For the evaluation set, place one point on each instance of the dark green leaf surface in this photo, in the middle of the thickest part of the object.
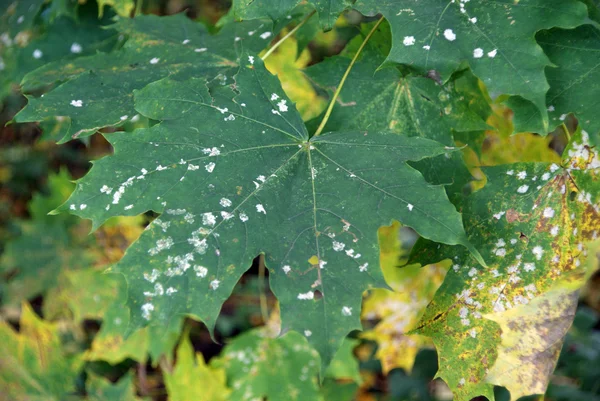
(375, 99)
(531, 221)
(234, 178)
(495, 38)
(98, 91)
(575, 81)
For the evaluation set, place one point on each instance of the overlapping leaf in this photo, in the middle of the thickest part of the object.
(33, 364)
(193, 380)
(575, 82)
(98, 91)
(495, 38)
(237, 177)
(260, 365)
(413, 106)
(531, 221)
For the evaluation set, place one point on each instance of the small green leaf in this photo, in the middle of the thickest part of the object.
(100, 389)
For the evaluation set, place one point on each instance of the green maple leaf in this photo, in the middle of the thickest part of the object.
(34, 365)
(409, 105)
(495, 38)
(34, 260)
(190, 371)
(261, 365)
(235, 175)
(503, 325)
(328, 10)
(100, 389)
(98, 91)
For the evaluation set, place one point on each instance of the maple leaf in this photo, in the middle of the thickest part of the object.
(237, 176)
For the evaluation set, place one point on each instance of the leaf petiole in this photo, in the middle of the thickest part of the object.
(339, 88)
(287, 35)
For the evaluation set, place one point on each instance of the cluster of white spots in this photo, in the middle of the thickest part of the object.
(214, 284)
(286, 269)
(350, 252)
(473, 333)
(212, 151)
(200, 245)
(243, 217)
(282, 105)
(222, 110)
(338, 246)
(225, 202)
(307, 333)
(265, 35)
(410, 207)
(462, 381)
(161, 245)
(346, 311)
(464, 313)
(146, 309)
(230, 117)
(226, 215)
(478, 53)
(492, 54)
(210, 167)
(554, 231)
(201, 271)
(176, 212)
(260, 209)
(529, 267)
(128, 207)
(510, 172)
(189, 218)
(473, 20)
(76, 48)
(158, 291)
(251, 59)
(209, 219)
(580, 153)
(408, 40)
(123, 118)
(472, 272)
(76, 103)
(548, 213)
(37, 54)
(521, 175)
(155, 60)
(449, 35)
(160, 167)
(200, 50)
(363, 267)
(171, 291)
(274, 96)
(152, 276)
(186, 41)
(427, 47)
(106, 189)
(306, 296)
(538, 251)
(499, 215)
(182, 264)
(322, 264)
(193, 167)
(523, 189)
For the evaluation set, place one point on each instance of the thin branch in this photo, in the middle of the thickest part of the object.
(339, 88)
(290, 33)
